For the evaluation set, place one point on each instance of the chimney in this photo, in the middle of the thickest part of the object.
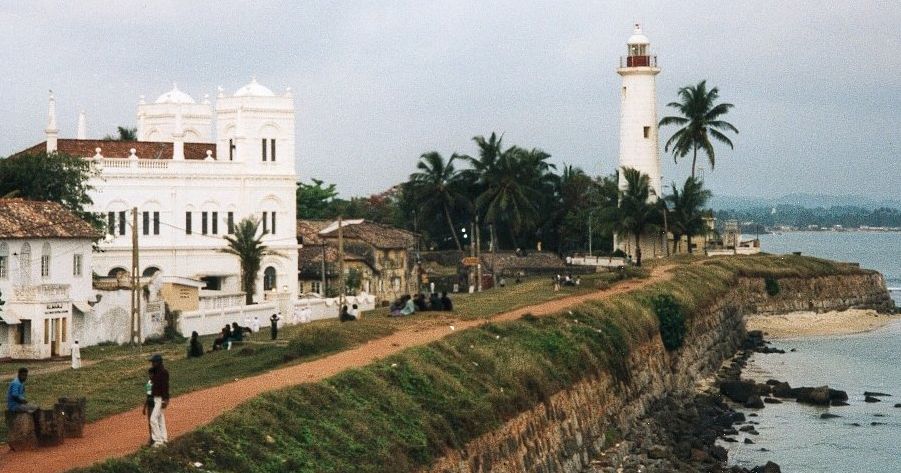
(52, 131)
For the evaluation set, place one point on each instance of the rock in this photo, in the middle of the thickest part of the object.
(877, 423)
(730, 431)
(898, 405)
(771, 400)
(783, 390)
(719, 453)
(738, 391)
(837, 395)
(854, 424)
(729, 439)
(748, 441)
(871, 399)
(753, 414)
(754, 402)
(657, 452)
(746, 428)
(793, 350)
(698, 456)
(773, 382)
(839, 403)
(827, 415)
(764, 449)
(816, 396)
(876, 394)
(878, 415)
(770, 467)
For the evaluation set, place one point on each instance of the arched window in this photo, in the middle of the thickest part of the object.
(45, 260)
(118, 273)
(25, 264)
(269, 282)
(150, 271)
(4, 260)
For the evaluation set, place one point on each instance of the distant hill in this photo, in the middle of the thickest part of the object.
(810, 201)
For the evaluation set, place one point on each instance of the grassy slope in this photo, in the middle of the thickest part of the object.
(113, 376)
(399, 414)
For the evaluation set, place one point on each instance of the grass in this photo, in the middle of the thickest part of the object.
(401, 413)
(112, 377)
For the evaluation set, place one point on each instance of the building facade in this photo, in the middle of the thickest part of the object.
(45, 275)
(190, 187)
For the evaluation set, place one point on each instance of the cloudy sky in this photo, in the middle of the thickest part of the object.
(816, 85)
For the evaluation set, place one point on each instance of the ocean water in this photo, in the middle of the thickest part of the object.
(795, 435)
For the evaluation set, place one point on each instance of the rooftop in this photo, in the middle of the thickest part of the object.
(20, 218)
(122, 149)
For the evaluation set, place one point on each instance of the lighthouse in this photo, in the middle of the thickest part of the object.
(638, 146)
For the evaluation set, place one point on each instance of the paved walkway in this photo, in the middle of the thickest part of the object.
(125, 433)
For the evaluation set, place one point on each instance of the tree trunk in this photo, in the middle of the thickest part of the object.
(638, 249)
(246, 285)
(676, 239)
(450, 225)
(688, 237)
(693, 160)
(493, 228)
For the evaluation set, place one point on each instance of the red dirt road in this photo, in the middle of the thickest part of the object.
(125, 433)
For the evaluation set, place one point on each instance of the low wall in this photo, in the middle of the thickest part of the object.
(110, 319)
(564, 433)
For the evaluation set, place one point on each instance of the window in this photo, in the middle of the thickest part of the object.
(213, 283)
(23, 333)
(316, 287)
(265, 223)
(647, 132)
(4, 260)
(231, 223)
(203, 223)
(395, 283)
(269, 281)
(145, 223)
(187, 223)
(111, 223)
(273, 222)
(45, 260)
(76, 265)
(122, 223)
(156, 223)
(231, 150)
(264, 149)
(215, 221)
(272, 149)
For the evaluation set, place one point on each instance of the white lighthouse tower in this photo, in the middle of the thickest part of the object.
(638, 146)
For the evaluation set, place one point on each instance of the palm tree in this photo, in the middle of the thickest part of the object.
(686, 214)
(248, 247)
(700, 119)
(437, 187)
(636, 214)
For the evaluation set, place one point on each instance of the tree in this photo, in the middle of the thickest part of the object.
(437, 188)
(248, 247)
(55, 177)
(314, 200)
(635, 215)
(125, 134)
(700, 119)
(686, 210)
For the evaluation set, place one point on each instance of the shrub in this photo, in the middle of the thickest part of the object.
(672, 320)
(772, 286)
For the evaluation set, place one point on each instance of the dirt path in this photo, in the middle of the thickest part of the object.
(124, 433)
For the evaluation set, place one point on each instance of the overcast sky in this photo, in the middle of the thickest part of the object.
(816, 85)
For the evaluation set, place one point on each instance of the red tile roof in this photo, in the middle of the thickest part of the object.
(377, 235)
(21, 218)
(122, 149)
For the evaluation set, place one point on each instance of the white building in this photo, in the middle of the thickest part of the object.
(45, 274)
(190, 187)
(638, 142)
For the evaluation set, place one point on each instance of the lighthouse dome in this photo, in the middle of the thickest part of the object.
(637, 36)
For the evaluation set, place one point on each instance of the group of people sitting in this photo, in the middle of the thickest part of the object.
(229, 334)
(407, 305)
(349, 315)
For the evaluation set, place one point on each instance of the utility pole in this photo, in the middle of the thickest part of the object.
(342, 288)
(479, 256)
(589, 234)
(135, 282)
(322, 289)
(666, 231)
(472, 253)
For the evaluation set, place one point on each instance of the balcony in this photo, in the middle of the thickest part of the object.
(637, 61)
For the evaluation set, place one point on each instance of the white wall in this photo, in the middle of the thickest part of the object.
(638, 95)
(110, 321)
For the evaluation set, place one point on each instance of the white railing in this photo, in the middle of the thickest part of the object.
(217, 301)
(153, 164)
(602, 261)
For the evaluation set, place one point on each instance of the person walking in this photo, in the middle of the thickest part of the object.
(148, 404)
(274, 321)
(76, 356)
(159, 389)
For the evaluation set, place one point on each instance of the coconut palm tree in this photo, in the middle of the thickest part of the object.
(686, 210)
(437, 186)
(246, 244)
(636, 214)
(700, 120)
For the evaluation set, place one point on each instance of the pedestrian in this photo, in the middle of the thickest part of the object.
(159, 389)
(274, 322)
(255, 325)
(446, 303)
(148, 404)
(76, 356)
(195, 349)
(355, 312)
(15, 395)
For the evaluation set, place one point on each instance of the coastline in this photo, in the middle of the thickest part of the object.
(813, 324)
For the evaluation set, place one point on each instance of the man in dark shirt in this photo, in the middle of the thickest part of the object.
(159, 390)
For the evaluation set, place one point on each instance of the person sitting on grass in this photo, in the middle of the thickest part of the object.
(409, 307)
(355, 312)
(419, 302)
(237, 332)
(223, 338)
(195, 349)
(435, 302)
(396, 306)
(344, 315)
(446, 303)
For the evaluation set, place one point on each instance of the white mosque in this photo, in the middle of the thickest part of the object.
(191, 186)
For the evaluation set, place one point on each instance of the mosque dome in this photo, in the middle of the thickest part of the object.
(175, 96)
(254, 89)
(637, 36)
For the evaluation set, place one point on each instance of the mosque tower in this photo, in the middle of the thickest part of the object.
(638, 147)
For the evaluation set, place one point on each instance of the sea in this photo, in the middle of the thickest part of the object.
(867, 436)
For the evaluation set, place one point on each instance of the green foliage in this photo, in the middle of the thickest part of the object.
(353, 281)
(635, 215)
(123, 134)
(56, 177)
(672, 320)
(316, 340)
(685, 215)
(772, 286)
(438, 187)
(250, 250)
(314, 200)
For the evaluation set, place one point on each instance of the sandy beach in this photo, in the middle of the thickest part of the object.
(809, 324)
